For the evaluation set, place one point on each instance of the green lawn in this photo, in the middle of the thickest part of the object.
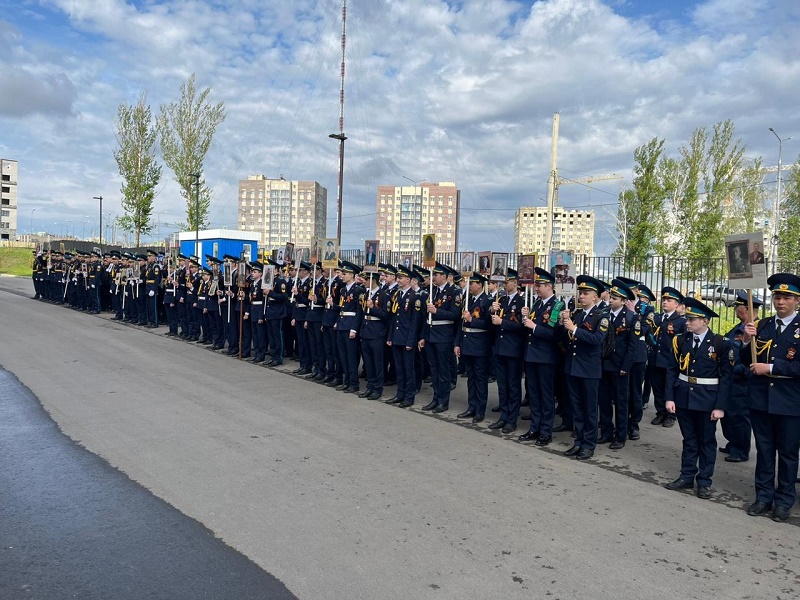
(16, 261)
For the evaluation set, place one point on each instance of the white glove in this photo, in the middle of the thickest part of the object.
(151, 294)
(92, 286)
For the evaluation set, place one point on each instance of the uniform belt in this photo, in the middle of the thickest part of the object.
(474, 330)
(257, 303)
(371, 318)
(201, 297)
(348, 314)
(699, 380)
(441, 322)
(148, 281)
(301, 305)
(169, 291)
(641, 338)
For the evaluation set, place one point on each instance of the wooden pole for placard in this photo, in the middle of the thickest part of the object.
(370, 287)
(241, 319)
(430, 298)
(753, 354)
(313, 282)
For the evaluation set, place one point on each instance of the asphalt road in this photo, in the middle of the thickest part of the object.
(339, 497)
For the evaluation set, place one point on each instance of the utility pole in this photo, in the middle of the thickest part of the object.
(196, 214)
(101, 220)
(551, 186)
(341, 136)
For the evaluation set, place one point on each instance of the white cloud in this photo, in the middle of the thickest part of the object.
(437, 90)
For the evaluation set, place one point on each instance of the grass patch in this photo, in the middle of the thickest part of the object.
(16, 261)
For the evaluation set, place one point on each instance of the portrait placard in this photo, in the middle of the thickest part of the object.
(499, 266)
(747, 268)
(429, 250)
(371, 255)
(330, 256)
(562, 266)
(467, 263)
(525, 265)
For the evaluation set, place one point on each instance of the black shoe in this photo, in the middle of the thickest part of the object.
(780, 513)
(334, 383)
(735, 459)
(703, 492)
(491, 379)
(374, 396)
(452, 386)
(606, 439)
(634, 435)
(756, 509)
(724, 451)
(467, 414)
(245, 356)
(679, 484)
(574, 450)
(477, 419)
(350, 390)
(544, 440)
(430, 405)
(659, 419)
(561, 428)
(297, 371)
(404, 404)
(668, 422)
(341, 387)
(527, 437)
(271, 363)
(365, 393)
(509, 429)
(440, 409)
(496, 408)
(497, 425)
(394, 400)
(584, 454)
(616, 445)
(427, 379)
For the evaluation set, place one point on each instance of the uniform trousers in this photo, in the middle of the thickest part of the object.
(736, 423)
(776, 436)
(303, 345)
(699, 451)
(438, 354)
(404, 363)
(372, 351)
(477, 370)
(275, 338)
(613, 405)
(635, 401)
(348, 354)
(509, 387)
(333, 368)
(539, 383)
(583, 401)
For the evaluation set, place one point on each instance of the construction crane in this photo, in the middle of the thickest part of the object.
(554, 181)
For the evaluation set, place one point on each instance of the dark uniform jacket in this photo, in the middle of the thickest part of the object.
(583, 348)
(473, 338)
(376, 319)
(664, 330)
(713, 362)
(541, 343)
(350, 311)
(778, 393)
(277, 300)
(625, 341)
(510, 334)
(406, 313)
(447, 301)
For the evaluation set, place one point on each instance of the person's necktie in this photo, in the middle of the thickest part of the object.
(778, 327)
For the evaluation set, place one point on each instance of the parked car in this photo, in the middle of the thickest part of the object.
(724, 296)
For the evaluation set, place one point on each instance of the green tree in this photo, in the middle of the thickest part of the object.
(186, 129)
(136, 160)
(635, 222)
(744, 209)
(789, 246)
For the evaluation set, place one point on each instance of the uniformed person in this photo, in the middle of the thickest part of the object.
(373, 334)
(736, 422)
(171, 301)
(665, 326)
(444, 307)
(316, 306)
(772, 396)
(508, 346)
(541, 357)
(153, 279)
(583, 333)
(333, 364)
(300, 292)
(614, 386)
(277, 299)
(256, 316)
(698, 385)
(347, 327)
(641, 331)
(406, 310)
(473, 347)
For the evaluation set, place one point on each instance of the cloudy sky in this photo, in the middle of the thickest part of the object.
(459, 90)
